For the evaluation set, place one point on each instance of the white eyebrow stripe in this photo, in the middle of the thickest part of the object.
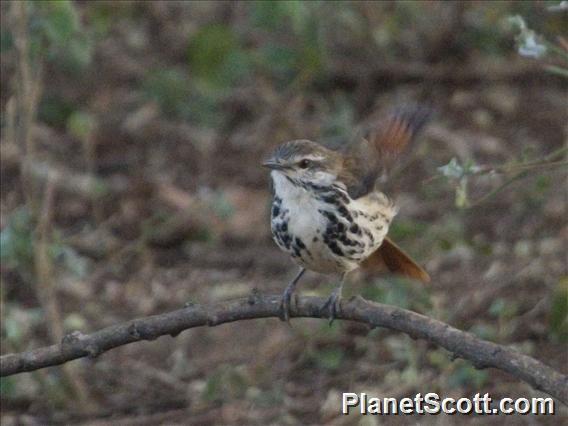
(312, 157)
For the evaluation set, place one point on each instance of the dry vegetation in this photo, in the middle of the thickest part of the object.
(131, 139)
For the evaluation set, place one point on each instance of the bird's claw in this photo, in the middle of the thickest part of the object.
(333, 306)
(287, 295)
(285, 306)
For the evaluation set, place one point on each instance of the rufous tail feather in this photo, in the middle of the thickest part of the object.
(392, 257)
(397, 130)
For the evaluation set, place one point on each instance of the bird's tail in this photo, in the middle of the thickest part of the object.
(391, 257)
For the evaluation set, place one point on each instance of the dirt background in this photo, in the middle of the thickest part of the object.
(141, 190)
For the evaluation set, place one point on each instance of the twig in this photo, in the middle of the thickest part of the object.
(481, 353)
(518, 176)
(44, 266)
(516, 171)
(46, 291)
(549, 160)
(547, 163)
(348, 73)
(28, 89)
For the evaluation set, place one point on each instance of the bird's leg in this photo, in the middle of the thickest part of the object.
(287, 295)
(333, 304)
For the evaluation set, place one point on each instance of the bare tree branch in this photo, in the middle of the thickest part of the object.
(481, 353)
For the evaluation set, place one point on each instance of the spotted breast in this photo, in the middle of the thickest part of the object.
(323, 228)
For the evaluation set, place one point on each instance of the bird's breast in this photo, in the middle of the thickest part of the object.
(326, 231)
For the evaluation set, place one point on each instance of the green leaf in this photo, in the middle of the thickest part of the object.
(311, 59)
(467, 375)
(497, 307)
(79, 53)
(298, 13)
(55, 110)
(278, 59)
(16, 241)
(7, 386)
(70, 259)
(452, 170)
(225, 383)
(57, 35)
(561, 71)
(61, 20)
(12, 329)
(215, 57)
(81, 125)
(455, 170)
(330, 359)
(170, 88)
(484, 331)
(405, 228)
(6, 41)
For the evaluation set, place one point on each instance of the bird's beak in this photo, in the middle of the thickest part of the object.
(273, 165)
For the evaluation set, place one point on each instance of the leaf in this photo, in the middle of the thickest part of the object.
(7, 387)
(277, 59)
(406, 228)
(55, 110)
(517, 23)
(225, 383)
(57, 34)
(81, 125)
(71, 260)
(563, 72)
(79, 52)
(530, 47)
(16, 241)
(452, 170)
(298, 13)
(170, 88)
(466, 374)
(304, 53)
(330, 359)
(61, 20)
(529, 44)
(497, 307)
(484, 331)
(215, 57)
(12, 329)
(6, 41)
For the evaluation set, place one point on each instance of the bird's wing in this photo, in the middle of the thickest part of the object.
(370, 158)
(392, 257)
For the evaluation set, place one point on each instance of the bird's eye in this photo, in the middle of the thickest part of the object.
(304, 164)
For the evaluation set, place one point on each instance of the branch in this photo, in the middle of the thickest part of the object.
(348, 73)
(481, 353)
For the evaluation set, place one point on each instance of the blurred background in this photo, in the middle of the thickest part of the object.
(132, 134)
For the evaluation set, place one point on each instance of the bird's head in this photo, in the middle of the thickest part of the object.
(304, 161)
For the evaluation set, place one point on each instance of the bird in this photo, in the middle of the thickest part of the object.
(329, 211)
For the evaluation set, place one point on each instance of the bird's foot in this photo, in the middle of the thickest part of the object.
(333, 305)
(285, 305)
(286, 297)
